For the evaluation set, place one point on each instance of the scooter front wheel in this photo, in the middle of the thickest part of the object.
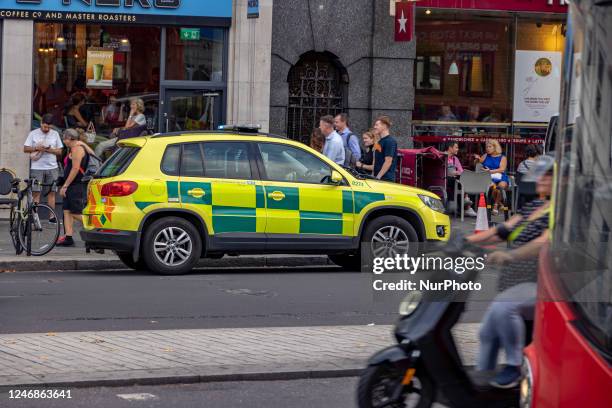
(381, 386)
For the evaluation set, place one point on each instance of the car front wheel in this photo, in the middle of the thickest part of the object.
(171, 246)
(388, 236)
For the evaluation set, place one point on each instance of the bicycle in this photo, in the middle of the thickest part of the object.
(28, 230)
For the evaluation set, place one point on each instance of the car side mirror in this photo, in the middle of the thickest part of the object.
(336, 177)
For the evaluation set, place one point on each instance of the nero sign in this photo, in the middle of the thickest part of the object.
(116, 3)
(170, 8)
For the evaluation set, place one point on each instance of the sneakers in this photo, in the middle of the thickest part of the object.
(509, 377)
(467, 200)
(470, 212)
(53, 220)
(65, 241)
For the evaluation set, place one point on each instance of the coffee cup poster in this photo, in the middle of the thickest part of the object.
(99, 68)
(537, 85)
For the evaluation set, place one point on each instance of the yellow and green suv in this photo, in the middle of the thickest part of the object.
(163, 202)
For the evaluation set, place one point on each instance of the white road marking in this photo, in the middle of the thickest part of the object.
(137, 397)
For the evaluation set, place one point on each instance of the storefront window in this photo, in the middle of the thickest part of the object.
(194, 54)
(428, 71)
(476, 73)
(484, 76)
(463, 69)
(65, 74)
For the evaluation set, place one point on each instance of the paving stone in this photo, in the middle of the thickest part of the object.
(163, 356)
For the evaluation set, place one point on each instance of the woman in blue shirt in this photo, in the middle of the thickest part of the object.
(495, 163)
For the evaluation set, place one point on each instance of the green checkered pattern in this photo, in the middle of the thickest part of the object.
(307, 209)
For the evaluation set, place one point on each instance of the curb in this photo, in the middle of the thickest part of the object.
(41, 264)
(189, 377)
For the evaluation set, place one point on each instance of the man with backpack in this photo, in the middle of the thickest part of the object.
(333, 148)
(352, 149)
(81, 161)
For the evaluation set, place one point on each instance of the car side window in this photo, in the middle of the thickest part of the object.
(288, 163)
(170, 162)
(192, 164)
(228, 160)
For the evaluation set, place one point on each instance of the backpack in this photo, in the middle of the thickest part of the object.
(349, 157)
(93, 165)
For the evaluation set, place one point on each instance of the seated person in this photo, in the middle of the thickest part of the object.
(72, 113)
(113, 112)
(454, 169)
(532, 152)
(135, 119)
(495, 163)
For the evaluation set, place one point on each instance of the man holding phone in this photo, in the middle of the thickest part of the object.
(44, 146)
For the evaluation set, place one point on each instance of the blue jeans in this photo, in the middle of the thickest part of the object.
(504, 326)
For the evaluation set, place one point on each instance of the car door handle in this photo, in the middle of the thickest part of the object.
(196, 192)
(276, 195)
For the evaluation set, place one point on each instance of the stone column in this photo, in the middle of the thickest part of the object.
(16, 93)
(392, 91)
(250, 45)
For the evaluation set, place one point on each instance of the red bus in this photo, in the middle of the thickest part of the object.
(569, 363)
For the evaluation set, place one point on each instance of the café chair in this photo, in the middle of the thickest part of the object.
(473, 183)
(6, 188)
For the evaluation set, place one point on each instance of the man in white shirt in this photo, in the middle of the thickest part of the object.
(44, 146)
(334, 146)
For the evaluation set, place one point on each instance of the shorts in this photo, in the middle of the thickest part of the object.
(44, 179)
(76, 198)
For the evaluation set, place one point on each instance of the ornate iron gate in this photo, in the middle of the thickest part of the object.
(315, 90)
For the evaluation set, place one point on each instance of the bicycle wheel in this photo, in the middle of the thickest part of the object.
(44, 234)
(14, 230)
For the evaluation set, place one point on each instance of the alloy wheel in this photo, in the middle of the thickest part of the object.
(173, 246)
(389, 241)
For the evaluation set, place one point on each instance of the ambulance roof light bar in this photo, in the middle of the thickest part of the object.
(246, 128)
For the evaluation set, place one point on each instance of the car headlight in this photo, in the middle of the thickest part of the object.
(410, 303)
(433, 203)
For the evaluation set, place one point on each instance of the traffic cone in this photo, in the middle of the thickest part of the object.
(482, 223)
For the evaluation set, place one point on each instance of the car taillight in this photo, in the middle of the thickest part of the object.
(118, 189)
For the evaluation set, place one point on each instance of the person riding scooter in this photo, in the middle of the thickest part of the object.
(425, 366)
(504, 323)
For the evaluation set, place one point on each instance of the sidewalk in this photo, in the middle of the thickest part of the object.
(75, 258)
(183, 356)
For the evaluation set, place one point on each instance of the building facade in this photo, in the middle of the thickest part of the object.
(189, 61)
(332, 56)
(199, 63)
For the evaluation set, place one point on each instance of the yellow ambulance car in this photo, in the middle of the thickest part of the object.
(163, 202)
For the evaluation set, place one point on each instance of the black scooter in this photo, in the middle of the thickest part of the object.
(425, 366)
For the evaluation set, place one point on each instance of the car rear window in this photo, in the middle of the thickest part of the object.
(118, 162)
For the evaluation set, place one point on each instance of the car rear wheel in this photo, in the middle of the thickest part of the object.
(388, 236)
(171, 246)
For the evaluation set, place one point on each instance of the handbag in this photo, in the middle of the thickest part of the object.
(90, 133)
